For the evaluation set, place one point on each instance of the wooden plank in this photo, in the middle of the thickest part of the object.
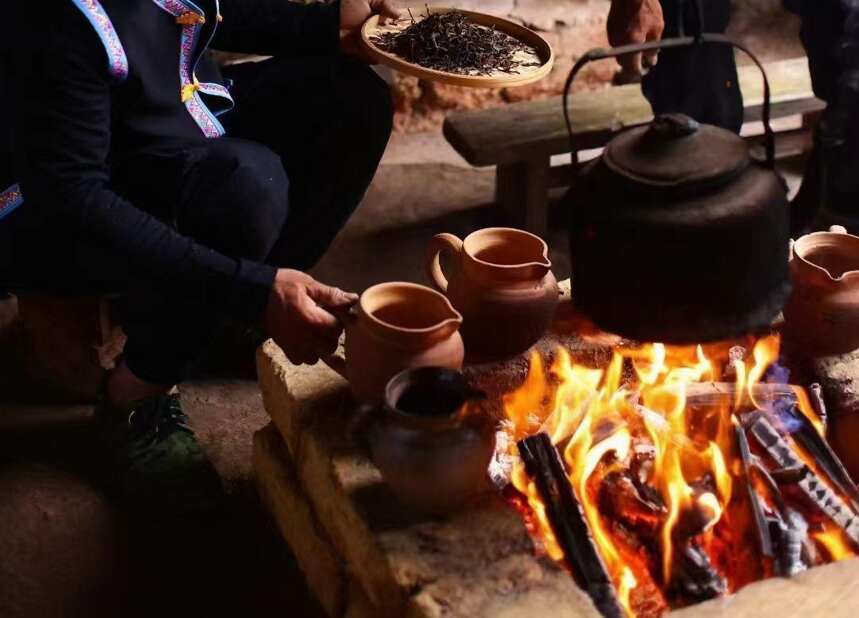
(528, 129)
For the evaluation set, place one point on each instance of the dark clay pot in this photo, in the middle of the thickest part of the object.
(432, 449)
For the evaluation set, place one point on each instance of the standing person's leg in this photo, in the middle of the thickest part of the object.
(830, 188)
(329, 118)
(699, 81)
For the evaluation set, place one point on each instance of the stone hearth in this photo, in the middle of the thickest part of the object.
(364, 554)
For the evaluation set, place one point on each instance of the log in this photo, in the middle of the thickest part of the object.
(694, 577)
(813, 443)
(545, 467)
(765, 541)
(820, 494)
(620, 499)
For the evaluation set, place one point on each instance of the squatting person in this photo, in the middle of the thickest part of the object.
(131, 164)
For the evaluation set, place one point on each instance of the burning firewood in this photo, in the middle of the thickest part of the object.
(545, 467)
(694, 578)
(829, 502)
(620, 498)
(790, 532)
(816, 446)
(765, 541)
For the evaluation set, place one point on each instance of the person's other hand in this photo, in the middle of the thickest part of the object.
(353, 14)
(635, 21)
(299, 319)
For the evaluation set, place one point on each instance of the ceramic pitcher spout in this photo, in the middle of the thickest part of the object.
(447, 326)
(535, 270)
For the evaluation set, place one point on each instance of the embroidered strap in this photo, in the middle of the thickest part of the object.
(191, 18)
(10, 199)
(116, 58)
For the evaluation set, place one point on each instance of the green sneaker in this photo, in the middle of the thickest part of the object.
(160, 467)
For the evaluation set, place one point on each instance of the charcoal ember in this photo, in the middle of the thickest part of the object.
(789, 532)
(694, 579)
(620, 498)
(643, 458)
(451, 42)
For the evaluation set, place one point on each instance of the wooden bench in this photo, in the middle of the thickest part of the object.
(521, 138)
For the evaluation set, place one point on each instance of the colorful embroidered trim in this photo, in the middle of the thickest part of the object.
(189, 87)
(116, 58)
(10, 199)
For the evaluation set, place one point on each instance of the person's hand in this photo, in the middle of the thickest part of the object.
(353, 14)
(298, 318)
(635, 21)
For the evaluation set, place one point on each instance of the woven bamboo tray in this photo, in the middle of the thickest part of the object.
(525, 75)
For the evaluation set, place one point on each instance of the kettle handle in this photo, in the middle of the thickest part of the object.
(684, 41)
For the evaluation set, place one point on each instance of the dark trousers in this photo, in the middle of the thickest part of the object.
(702, 82)
(699, 81)
(303, 145)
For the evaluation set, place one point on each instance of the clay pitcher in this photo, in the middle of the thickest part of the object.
(432, 447)
(823, 311)
(501, 281)
(397, 326)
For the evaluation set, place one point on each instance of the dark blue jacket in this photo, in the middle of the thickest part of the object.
(84, 84)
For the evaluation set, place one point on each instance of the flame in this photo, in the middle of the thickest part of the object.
(527, 488)
(808, 410)
(596, 416)
(833, 541)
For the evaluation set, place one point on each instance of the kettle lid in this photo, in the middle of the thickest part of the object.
(676, 151)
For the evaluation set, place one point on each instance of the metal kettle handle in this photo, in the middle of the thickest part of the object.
(686, 41)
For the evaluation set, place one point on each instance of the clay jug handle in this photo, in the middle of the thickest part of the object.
(439, 244)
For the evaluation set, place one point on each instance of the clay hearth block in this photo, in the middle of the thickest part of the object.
(278, 486)
(478, 563)
(839, 376)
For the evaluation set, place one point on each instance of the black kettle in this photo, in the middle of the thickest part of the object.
(678, 234)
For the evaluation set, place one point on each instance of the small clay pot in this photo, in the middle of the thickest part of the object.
(397, 326)
(503, 286)
(823, 311)
(432, 448)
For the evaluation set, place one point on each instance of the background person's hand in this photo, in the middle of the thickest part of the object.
(353, 14)
(298, 318)
(635, 21)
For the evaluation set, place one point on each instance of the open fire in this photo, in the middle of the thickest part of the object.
(696, 469)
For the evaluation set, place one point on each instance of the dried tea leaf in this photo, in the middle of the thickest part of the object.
(452, 43)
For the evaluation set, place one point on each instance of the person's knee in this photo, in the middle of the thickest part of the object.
(248, 201)
(371, 103)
